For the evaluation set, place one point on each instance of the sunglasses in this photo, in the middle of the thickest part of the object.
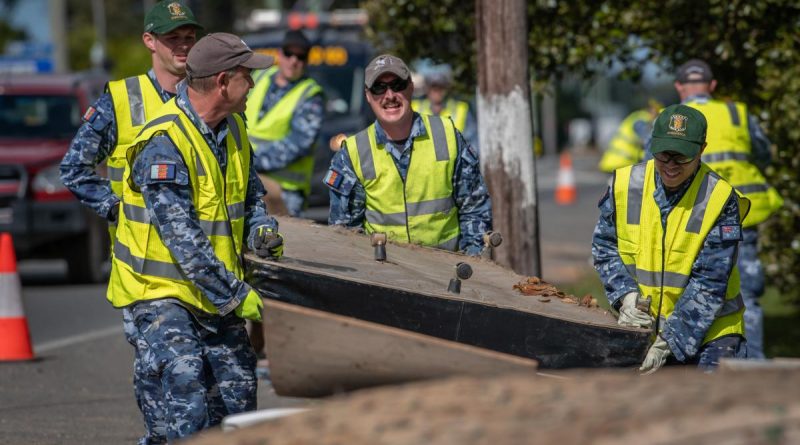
(301, 56)
(677, 157)
(396, 85)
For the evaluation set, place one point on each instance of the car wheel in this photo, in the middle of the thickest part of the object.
(87, 260)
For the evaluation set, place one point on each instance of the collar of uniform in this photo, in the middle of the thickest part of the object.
(165, 95)
(699, 98)
(182, 99)
(417, 130)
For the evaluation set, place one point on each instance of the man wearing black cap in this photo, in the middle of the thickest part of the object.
(109, 127)
(410, 176)
(739, 151)
(665, 245)
(284, 116)
(191, 202)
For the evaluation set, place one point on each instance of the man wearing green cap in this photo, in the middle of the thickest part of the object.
(109, 127)
(665, 248)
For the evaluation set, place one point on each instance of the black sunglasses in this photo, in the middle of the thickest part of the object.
(396, 85)
(301, 56)
(677, 157)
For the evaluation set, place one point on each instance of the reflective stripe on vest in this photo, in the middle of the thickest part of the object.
(143, 267)
(420, 210)
(275, 125)
(664, 277)
(457, 110)
(135, 100)
(728, 153)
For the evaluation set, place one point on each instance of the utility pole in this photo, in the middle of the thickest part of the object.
(505, 131)
(58, 34)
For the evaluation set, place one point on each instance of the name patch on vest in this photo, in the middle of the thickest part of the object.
(162, 172)
(731, 233)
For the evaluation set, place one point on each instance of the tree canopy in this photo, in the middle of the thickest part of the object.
(751, 46)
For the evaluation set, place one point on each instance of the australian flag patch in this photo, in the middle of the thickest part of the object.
(731, 233)
(162, 172)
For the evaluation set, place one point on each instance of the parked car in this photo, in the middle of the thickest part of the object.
(39, 116)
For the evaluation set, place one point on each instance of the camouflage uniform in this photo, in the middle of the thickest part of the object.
(348, 200)
(694, 312)
(275, 155)
(750, 268)
(92, 145)
(204, 362)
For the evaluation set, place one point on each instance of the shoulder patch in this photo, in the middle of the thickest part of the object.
(333, 179)
(731, 233)
(162, 172)
(90, 114)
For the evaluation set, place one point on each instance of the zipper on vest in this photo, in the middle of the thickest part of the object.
(403, 178)
(663, 263)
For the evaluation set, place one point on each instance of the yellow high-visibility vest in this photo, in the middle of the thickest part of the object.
(135, 100)
(420, 210)
(453, 108)
(626, 147)
(276, 125)
(143, 267)
(661, 259)
(728, 153)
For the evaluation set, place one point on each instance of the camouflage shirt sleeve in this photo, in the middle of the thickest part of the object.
(760, 144)
(617, 282)
(255, 209)
(305, 126)
(696, 309)
(471, 130)
(169, 204)
(92, 145)
(347, 195)
(472, 198)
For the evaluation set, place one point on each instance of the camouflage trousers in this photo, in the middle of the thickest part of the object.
(751, 272)
(188, 373)
(709, 355)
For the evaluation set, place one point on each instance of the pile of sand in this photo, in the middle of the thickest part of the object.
(673, 406)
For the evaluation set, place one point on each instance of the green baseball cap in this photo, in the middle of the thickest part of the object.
(681, 129)
(167, 15)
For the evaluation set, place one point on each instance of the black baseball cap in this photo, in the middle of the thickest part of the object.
(220, 51)
(694, 71)
(296, 38)
(168, 15)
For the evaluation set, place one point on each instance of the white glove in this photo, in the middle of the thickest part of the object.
(656, 356)
(630, 315)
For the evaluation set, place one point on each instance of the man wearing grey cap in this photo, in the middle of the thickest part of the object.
(109, 126)
(191, 202)
(411, 176)
(739, 151)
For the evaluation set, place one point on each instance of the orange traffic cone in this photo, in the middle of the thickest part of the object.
(15, 339)
(566, 193)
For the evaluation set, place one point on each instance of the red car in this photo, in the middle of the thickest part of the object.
(39, 116)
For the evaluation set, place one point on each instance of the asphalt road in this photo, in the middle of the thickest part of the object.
(78, 390)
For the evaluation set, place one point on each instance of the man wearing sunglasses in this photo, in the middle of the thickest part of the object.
(411, 176)
(739, 151)
(109, 127)
(284, 116)
(665, 248)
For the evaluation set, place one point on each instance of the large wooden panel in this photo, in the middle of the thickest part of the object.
(314, 353)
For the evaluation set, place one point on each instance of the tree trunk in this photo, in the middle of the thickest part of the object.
(504, 117)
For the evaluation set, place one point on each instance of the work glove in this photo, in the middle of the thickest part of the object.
(630, 315)
(268, 243)
(250, 307)
(656, 356)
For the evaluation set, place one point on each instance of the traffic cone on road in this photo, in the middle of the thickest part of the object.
(566, 192)
(15, 339)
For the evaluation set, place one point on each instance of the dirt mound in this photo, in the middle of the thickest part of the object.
(673, 406)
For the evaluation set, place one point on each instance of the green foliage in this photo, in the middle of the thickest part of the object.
(751, 45)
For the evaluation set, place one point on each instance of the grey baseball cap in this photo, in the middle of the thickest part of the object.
(385, 63)
(220, 52)
(694, 71)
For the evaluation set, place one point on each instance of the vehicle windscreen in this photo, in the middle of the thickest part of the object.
(39, 116)
(338, 84)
